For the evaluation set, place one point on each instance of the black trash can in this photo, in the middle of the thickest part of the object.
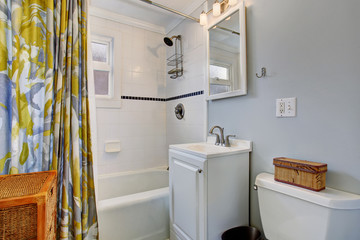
(242, 233)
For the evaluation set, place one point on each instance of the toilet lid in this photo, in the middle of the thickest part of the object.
(328, 197)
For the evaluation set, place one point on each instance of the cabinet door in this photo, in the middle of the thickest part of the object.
(186, 179)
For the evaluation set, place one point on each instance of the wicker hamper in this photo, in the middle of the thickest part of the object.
(301, 173)
(28, 206)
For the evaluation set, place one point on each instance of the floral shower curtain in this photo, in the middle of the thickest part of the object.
(44, 107)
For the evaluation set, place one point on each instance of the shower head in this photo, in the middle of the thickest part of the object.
(168, 41)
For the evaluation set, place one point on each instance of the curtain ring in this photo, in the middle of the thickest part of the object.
(263, 73)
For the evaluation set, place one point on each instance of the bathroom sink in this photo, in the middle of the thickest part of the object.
(208, 149)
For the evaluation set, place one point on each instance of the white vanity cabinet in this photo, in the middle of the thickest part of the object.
(187, 192)
(209, 190)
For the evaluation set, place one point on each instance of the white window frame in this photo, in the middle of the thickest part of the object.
(219, 81)
(105, 66)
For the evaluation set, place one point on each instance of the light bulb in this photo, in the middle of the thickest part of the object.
(203, 18)
(216, 9)
(232, 2)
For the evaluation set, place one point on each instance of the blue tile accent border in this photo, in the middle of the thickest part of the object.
(143, 98)
(186, 95)
(163, 99)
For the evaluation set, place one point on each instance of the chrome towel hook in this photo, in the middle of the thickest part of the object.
(263, 73)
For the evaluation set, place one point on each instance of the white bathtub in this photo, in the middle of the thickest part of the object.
(134, 205)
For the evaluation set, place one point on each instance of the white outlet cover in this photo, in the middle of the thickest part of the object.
(286, 107)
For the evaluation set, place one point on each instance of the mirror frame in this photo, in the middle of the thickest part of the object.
(212, 21)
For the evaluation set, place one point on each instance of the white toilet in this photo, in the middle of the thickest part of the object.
(293, 213)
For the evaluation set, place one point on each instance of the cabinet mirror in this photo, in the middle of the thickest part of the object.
(227, 54)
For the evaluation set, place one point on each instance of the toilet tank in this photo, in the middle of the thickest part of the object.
(292, 213)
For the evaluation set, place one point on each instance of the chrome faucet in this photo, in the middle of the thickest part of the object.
(219, 140)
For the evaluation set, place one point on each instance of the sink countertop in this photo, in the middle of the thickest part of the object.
(208, 149)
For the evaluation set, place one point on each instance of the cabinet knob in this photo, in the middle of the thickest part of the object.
(199, 170)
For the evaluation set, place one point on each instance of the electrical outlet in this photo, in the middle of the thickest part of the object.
(286, 107)
(282, 107)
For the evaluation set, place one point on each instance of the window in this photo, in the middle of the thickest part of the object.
(103, 66)
(220, 75)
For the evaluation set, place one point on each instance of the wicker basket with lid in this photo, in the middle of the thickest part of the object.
(28, 206)
(301, 173)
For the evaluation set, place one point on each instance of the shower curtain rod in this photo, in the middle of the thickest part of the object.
(170, 10)
(226, 29)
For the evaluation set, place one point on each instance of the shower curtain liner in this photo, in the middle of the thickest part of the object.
(44, 104)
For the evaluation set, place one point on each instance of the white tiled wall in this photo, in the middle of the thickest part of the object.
(140, 126)
(146, 128)
(192, 128)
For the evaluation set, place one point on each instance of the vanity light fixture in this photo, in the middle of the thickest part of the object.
(203, 18)
(232, 2)
(218, 9)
